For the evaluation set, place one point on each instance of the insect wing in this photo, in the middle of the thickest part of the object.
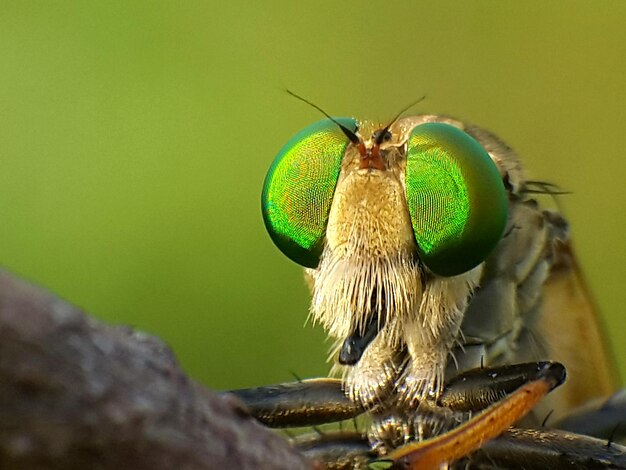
(572, 328)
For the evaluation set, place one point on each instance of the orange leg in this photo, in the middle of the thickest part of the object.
(461, 441)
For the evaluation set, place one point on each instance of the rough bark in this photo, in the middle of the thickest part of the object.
(78, 394)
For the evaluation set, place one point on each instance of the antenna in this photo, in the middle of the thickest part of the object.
(349, 134)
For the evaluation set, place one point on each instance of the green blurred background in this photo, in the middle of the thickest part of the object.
(135, 136)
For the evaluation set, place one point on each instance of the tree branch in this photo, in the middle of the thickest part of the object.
(78, 394)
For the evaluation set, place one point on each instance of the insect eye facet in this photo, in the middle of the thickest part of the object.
(456, 198)
(299, 189)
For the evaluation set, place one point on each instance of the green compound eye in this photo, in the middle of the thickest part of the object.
(456, 198)
(299, 189)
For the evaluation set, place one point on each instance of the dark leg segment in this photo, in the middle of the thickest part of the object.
(539, 449)
(306, 403)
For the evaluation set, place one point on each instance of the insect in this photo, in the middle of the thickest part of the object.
(428, 258)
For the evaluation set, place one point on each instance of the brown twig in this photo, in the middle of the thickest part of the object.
(78, 394)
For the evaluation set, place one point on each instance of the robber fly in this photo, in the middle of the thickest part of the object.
(428, 259)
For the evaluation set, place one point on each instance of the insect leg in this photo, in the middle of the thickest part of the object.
(468, 437)
(336, 450)
(318, 401)
(538, 449)
(303, 403)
